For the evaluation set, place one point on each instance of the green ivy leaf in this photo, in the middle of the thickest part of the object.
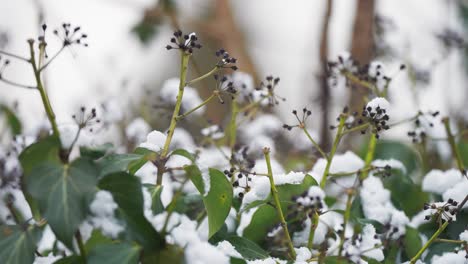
(70, 260)
(412, 241)
(146, 155)
(116, 163)
(405, 195)
(96, 152)
(248, 249)
(95, 239)
(387, 149)
(126, 191)
(121, 253)
(13, 121)
(156, 206)
(184, 153)
(17, 245)
(63, 193)
(40, 152)
(218, 201)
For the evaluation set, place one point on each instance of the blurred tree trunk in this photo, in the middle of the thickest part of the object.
(324, 88)
(362, 47)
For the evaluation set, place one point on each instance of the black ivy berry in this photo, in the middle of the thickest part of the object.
(186, 43)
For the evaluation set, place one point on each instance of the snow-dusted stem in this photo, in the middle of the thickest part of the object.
(40, 87)
(336, 142)
(453, 146)
(274, 193)
(313, 227)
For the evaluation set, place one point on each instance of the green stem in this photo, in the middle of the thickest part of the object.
(338, 136)
(14, 56)
(204, 76)
(274, 193)
(197, 107)
(450, 241)
(233, 124)
(317, 146)
(347, 215)
(369, 156)
(453, 146)
(429, 242)
(362, 83)
(40, 87)
(356, 128)
(313, 227)
(80, 243)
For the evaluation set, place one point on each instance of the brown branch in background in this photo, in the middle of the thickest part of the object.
(324, 88)
(223, 29)
(362, 48)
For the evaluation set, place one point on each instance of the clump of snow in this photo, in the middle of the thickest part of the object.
(190, 99)
(154, 141)
(379, 102)
(290, 178)
(137, 130)
(215, 132)
(398, 222)
(269, 260)
(450, 257)
(365, 245)
(68, 133)
(302, 255)
(228, 249)
(183, 139)
(464, 236)
(330, 220)
(457, 192)
(244, 83)
(245, 220)
(102, 208)
(438, 181)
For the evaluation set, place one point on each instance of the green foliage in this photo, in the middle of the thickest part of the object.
(248, 249)
(63, 193)
(12, 120)
(412, 241)
(387, 149)
(218, 201)
(156, 206)
(18, 243)
(117, 253)
(126, 191)
(95, 152)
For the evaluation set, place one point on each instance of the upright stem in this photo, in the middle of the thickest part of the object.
(40, 87)
(274, 193)
(338, 136)
(317, 146)
(453, 146)
(233, 124)
(184, 57)
(80, 243)
(313, 227)
(429, 242)
(347, 215)
(369, 156)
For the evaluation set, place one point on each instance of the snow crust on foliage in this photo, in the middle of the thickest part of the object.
(331, 219)
(102, 208)
(464, 236)
(137, 130)
(68, 133)
(365, 246)
(450, 257)
(347, 162)
(190, 100)
(302, 255)
(269, 260)
(378, 102)
(438, 181)
(19, 202)
(457, 192)
(377, 205)
(228, 249)
(211, 158)
(182, 231)
(154, 141)
(260, 185)
(261, 167)
(214, 131)
(245, 220)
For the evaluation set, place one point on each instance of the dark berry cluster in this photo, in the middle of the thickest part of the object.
(224, 86)
(226, 61)
(377, 118)
(69, 35)
(186, 43)
(268, 86)
(451, 39)
(240, 172)
(419, 134)
(239, 180)
(86, 120)
(442, 212)
(301, 120)
(385, 171)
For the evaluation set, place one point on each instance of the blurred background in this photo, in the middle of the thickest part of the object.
(126, 62)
